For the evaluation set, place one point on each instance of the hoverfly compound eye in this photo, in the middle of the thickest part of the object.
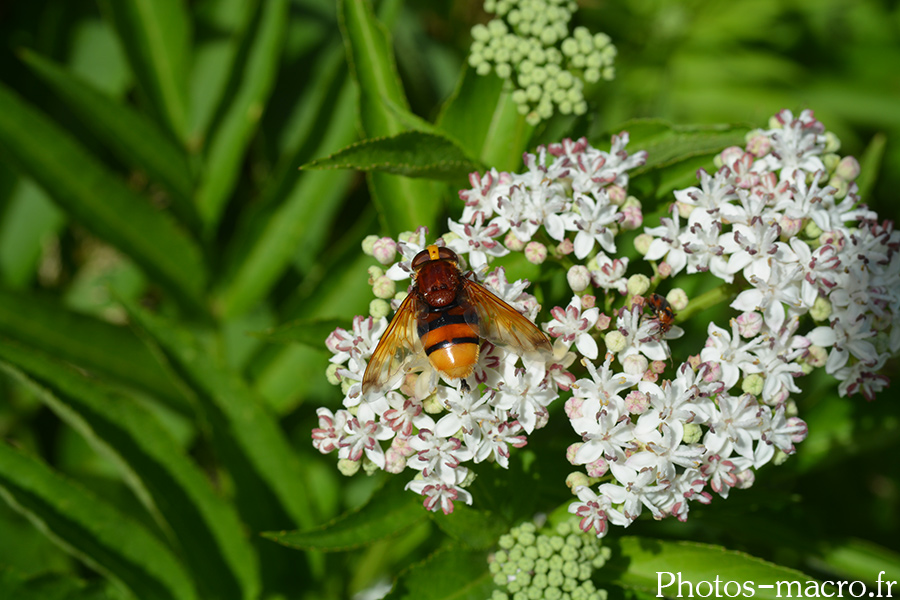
(448, 254)
(420, 259)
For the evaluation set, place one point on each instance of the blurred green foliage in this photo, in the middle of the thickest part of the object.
(152, 215)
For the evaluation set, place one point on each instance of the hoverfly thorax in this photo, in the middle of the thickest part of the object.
(438, 279)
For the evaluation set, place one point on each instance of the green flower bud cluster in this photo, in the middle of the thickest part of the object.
(528, 44)
(556, 566)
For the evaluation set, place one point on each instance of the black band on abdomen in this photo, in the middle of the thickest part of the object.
(448, 343)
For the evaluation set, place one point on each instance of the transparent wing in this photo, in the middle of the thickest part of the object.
(501, 324)
(396, 348)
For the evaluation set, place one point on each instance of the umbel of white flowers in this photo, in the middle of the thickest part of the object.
(529, 45)
(820, 288)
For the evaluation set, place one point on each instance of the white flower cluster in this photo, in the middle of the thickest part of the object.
(528, 44)
(655, 432)
(434, 429)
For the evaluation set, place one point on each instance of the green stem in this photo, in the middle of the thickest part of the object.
(705, 301)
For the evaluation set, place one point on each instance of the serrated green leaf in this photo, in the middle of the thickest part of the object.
(98, 199)
(644, 564)
(412, 153)
(29, 222)
(156, 37)
(310, 332)
(390, 511)
(251, 85)
(95, 345)
(201, 524)
(448, 574)
(268, 475)
(404, 204)
(91, 529)
(483, 119)
(133, 138)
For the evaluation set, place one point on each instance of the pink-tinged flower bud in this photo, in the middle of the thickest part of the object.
(379, 308)
(758, 143)
(598, 468)
(694, 361)
(728, 156)
(664, 269)
(833, 238)
(384, 288)
(745, 479)
(616, 194)
(642, 243)
(572, 450)
(816, 356)
(385, 250)
(542, 418)
(588, 301)
(603, 322)
(565, 247)
(650, 376)
(801, 429)
(535, 253)
(749, 324)
(574, 480)
(368, 245)
(684, 209)
(573, 407)
(394, 461)
(635, 364)
(579, 278)
(513, 243)
(713, 372)
(658, 366)
(409, 384)
(633, 218)
(677, 299)
(636, 402)
(789, 227)
(847, 169)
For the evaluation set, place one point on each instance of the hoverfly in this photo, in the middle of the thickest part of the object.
(665, 316)
(444, 317)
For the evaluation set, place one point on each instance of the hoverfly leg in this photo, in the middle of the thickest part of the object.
(464, 386)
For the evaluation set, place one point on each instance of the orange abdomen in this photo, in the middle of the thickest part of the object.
(450, 342)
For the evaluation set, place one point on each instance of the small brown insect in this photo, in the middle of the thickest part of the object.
(663, 311)
(445, 316)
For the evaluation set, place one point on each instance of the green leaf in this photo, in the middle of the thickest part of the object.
(53, 586)
(129, 134)
(247, 437)
(310, 332)
(448, 574)
(91, 529)
(202, 525)
(105, 349)
(29, 222)
(299, 210)
(251, 85)
(861, 560)
(483, 119)
(403, 204)
(645, 564)
(390, 511)
(667, 144)
(870, 165)
(412, 153)
(79, 184)
(471, 527)
(156, 37)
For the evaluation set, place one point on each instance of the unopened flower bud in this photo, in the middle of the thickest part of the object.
(638, 284)
(577, 479)
(753, 384)
(831, 162)
(650, 376)
(812, 230)
(347, 467)
(635, 364)
(588, 301)
(432, 405)
(728, 156)
(816, 356)
(346, 384)
(749, 324)
(677, 299)
(368, 466)
(832, 142)
(331, 374)
(692, 433)
(565, 247)
(848, 169)
(615, 341)
(384, 288)
(664, 269)
(712, 372)
(684, 209)
(374, 273)
(821, 309)
(385, 250)
(379, 308)
(833, 238)
(603, 322)
(633, 218)
(758, 143)
(642, 243)
(617, 195)
(572, 450)
(513, 243)
(597, 468)
(636, 402)
(368, 244)
(536, 253)
(579, 278)
(573, 407)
